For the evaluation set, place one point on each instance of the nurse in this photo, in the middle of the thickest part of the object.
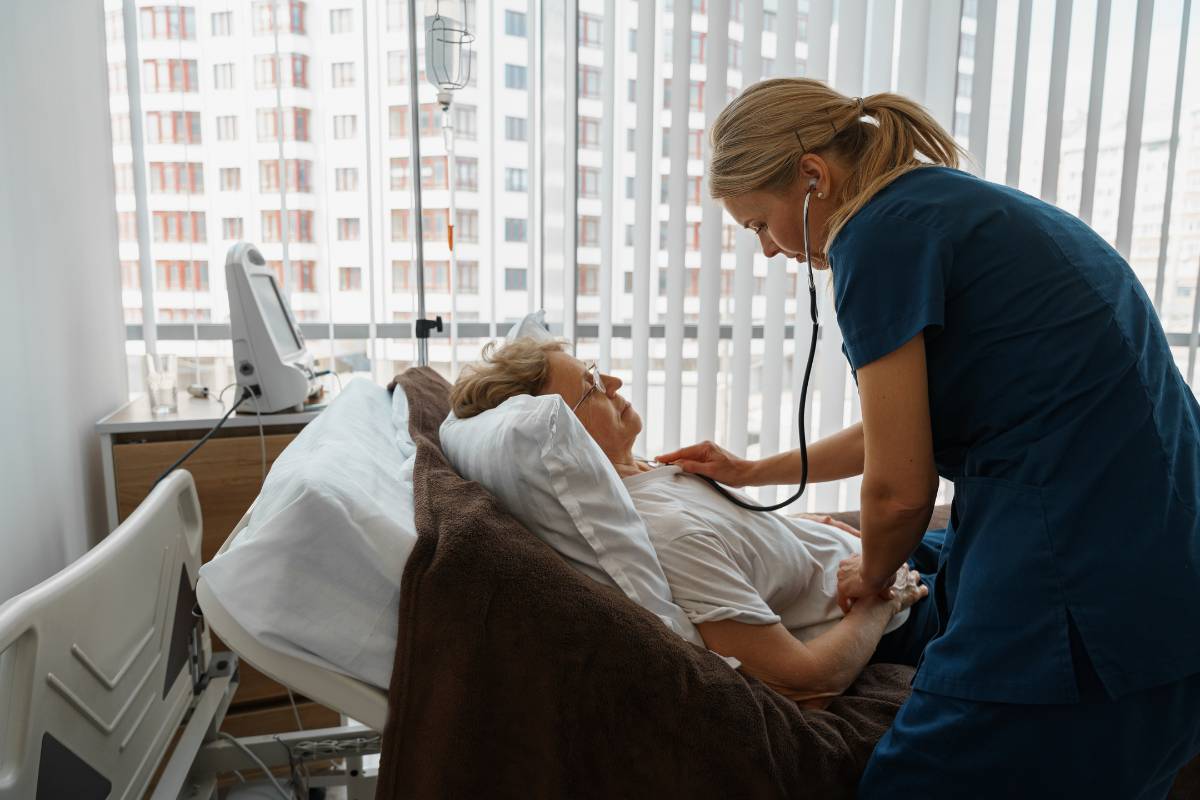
(998, 342)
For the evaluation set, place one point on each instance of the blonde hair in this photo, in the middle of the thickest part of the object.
(518, 367)
(759, 138)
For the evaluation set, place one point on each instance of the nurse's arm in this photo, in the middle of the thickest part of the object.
(900, 480)
(809, 672)
(837, 456)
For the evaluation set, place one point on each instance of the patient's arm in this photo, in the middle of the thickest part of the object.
(809, 672)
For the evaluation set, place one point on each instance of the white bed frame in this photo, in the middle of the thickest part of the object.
(101, 663)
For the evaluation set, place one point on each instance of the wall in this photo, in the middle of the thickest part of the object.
(61, 335)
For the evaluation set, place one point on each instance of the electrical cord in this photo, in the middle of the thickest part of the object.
(203, 439)
(233, 739)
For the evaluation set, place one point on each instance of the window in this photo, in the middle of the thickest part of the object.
(515, 230)
(589, 82)
(121, 132)
(181, 275)
(590, 30)
(222, 76)
(515, 180)
(466, 174)
(350, 279)
(589, 182)
(299, 175)
(304, 276)
(696, 98)
(397, 67)
(117, 83)
(345, 126)
(589, 231)
(266, 71)
(264, 15)
(299, 226)
(178, 226)
(514, 279)
(589, 279)
(629, 188)
(429, 114)
(176, 177)
(465, 125)
(168, 22)
(231, 179)
(222, 23)
(589, 133)
(467, 279)
(295, 124)
(343, 74)
(127, 226)
(515, 129)
(398, 122)
(437, 276)
(231, 228)
(227, 129)
(131, 276)
(123, 177)
(399, 174)
(697, 48)
(693, 190)
(514, 76)
(345, 179)
(169, 75)
(433, 172)
(735, 55)
(695, 144)
(341, 20)
(434, 224)
(514, 23)
(466, 225)
(400, 276)
(348, 229)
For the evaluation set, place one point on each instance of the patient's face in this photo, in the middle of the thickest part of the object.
(608, 417)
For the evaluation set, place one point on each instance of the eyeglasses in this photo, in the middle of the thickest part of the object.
(597, 385)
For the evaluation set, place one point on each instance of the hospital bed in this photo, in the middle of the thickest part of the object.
(103, 662)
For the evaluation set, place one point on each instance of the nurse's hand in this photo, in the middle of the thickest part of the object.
(906, 588)
(711, 461)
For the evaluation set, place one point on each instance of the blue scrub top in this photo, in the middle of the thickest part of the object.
(1060, 416)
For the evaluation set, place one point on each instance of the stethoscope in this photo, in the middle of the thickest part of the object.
(812, 351)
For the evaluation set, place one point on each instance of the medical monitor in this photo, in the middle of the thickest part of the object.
(269, 354)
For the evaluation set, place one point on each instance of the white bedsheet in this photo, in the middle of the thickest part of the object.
(316, 573)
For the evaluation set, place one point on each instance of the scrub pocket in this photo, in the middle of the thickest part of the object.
(1003, 633)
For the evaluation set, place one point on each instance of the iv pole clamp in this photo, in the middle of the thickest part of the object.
(424, 326)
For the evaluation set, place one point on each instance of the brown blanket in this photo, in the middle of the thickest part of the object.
(517, 677)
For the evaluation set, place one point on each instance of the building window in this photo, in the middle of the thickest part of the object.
(176, 177)
(590, 30)
(304, 275)
(467, 277)
(429, 114)
(465, 126)
(515, 129)
(231, 179)
(169, 75)
(696, 97)
(515, 180)
(628, 283)
(222, 76)
(168, 22)
(466, 174)
(589, 231)
(127, 226)
(123, 177)
(589, 82)
(735, 55)
(437, 276)
(350, 279)
(343, 74)
(299, 175)
(514, 279)
(589, 182)
(131, 276)
(697, 48)
(515, 76)
(695, 144)
(227, 129)
(433, 172)
(693, 190)
(178, 226)
(589, 279)
(341, 20)
(264, 16)
(589, 133)
(121, 132)
(117, 83)
(348, 229)
(398, 122)
(181, 275)
(397, 67)
(434, 224)
(515, 230)
(231, 228)
(266, 71)
(345, 126)
(399, 174)
(295, 124)
(222, 23)
(345, 179)
(466, 225)
(299, 226)
(400, 276)
(514, 23)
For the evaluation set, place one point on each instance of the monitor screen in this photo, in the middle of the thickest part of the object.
(273, 311)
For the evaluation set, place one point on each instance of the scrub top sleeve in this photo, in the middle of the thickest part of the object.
(889, 279)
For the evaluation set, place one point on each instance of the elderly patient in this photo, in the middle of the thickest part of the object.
(760, 587)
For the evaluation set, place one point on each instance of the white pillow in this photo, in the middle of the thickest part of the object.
(404, 440)
(532, 326)
(316, 572)
(535, 456)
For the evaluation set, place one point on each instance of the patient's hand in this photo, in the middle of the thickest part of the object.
(905, 590)
(825, 519)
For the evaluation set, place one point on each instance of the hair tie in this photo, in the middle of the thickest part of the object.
(858, 101)
(803, 149)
